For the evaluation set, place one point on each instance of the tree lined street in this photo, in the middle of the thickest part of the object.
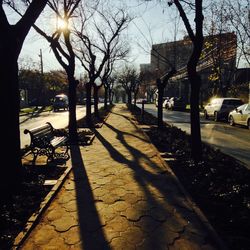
(122, 187)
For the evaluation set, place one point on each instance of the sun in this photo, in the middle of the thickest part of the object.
(62, 24)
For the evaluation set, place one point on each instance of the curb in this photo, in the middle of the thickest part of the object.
(35, 217)
(193, 205)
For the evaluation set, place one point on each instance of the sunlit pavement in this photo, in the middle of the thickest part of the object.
(121, 195)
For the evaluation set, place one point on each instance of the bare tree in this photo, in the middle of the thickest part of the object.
(104, 44)
(128, 77)
(11, 43)
(220, 48)
(196, 36)
(238, 14)
(106, 80)
(61, 44)
(109, 88)
(161, 83)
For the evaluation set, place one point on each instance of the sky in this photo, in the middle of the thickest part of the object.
(152, 23)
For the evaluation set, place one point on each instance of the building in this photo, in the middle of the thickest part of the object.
(217, 64)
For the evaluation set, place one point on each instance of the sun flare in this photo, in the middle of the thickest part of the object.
(61, 24)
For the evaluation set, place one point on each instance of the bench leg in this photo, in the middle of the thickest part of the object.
(50, 154)
(34, 159)
(64, 155)
(35, 153)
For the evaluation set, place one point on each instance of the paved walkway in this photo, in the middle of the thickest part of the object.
(120, 195)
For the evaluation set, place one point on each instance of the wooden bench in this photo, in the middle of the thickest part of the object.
(44, 141)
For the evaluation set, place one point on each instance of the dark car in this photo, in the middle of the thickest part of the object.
(60, 102)
(176, 103)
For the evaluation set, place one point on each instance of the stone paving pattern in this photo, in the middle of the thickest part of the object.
(119, 195)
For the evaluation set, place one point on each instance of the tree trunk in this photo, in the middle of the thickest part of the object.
(110, 96)
(96, 111)
(11, 43)
(161, 86)
(88, 104)
(160, 102)
(10, 103)
(129, 98)
(11, 171)
(135, 97)
(105, 97)
(195, 80)
(72, 109)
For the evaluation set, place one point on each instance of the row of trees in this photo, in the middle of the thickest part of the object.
(91, 33)
(42, 87)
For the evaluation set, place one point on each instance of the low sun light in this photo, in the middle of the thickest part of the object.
(62, 24)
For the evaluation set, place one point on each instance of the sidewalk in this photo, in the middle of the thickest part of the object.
(121, 195)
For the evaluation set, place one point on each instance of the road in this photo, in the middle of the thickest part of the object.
(57, 119)
(234, 141)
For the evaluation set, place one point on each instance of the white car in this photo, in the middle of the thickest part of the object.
(240, 115)
(165, 103)
(219, 108)
(164, 99)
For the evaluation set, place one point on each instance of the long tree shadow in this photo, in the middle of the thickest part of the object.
(142, 176)
(154, 177)
(125, 133)
(92, 235)
(146, 180)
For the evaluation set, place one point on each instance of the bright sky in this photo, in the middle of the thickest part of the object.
(153, 23)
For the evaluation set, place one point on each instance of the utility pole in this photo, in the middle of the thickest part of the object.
(41, 61)
(41, 96)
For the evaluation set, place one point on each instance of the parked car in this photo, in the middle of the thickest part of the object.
(61, 102)
(175, 103)
(240, 115)
(219, 108)
(163, 100)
